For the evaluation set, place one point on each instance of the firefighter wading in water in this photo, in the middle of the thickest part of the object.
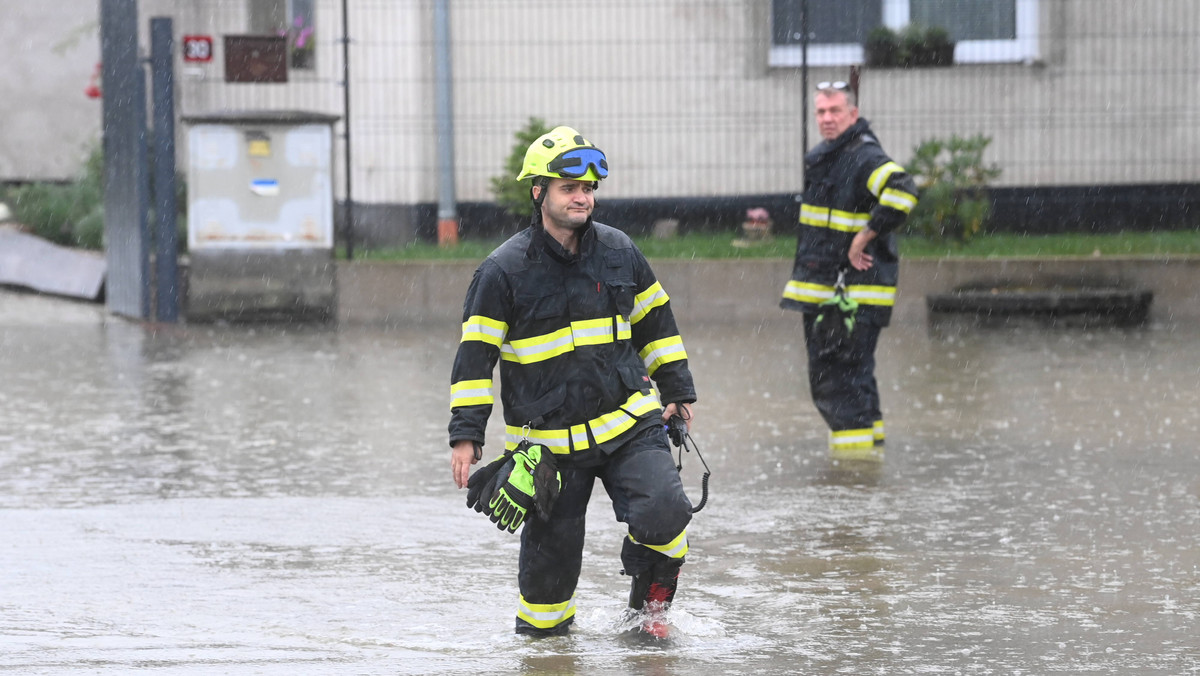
(573, 313)
(855, 197)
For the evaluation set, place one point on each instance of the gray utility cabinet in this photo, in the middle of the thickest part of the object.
(260, 216)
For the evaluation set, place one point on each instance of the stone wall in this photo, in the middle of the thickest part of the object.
(749, 290)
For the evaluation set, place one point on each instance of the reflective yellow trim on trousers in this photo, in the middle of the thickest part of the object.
(864, 294)
(545, 615)
(661, 352)
(579, 334)
(846, 439)
(879, 178)
(484, 329)
(646, 301)
(471, 393)
(676, 549)
(898, 200)
(604, 427)
(835, 219)
(877, 431)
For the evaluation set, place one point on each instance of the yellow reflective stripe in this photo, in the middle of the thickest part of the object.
(592, 331)
(610, 425)
(848, 221)
(810, 215)
(880, 176)
(661, 352)
(640, 404)
(804, 292)
(580, 333)
(557, 441)
(834, 219)
(471, 393)
(646, 301)
(484, 329)
(538, 348)
(676, 549)
(579, 437)
(866, 294)
(864, 438)
(898, 200)
(545, 615)
(624, 329)
(604, 427)
(877, 430)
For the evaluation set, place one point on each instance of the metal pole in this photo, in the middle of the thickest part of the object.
(447, 210)
(804, 74)
(166, 265)
(126, 287)
(348, 227)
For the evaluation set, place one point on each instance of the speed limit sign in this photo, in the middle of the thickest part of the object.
(197, 48)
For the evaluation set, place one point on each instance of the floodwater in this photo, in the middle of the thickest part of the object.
(254, 500)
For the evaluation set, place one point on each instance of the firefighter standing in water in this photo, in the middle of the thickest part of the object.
(580, 325)
(846, 268)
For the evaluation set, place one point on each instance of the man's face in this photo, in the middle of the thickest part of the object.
(834, 114)
(568, 203)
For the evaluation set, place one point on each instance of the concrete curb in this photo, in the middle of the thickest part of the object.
(394, 293)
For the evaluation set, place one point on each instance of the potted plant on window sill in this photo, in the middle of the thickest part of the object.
(912, 47)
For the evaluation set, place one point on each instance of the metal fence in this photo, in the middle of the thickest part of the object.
(1093, 106)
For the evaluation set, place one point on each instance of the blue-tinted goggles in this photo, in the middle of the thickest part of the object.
(574, 163)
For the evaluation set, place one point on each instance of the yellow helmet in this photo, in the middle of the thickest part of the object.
(564, 153)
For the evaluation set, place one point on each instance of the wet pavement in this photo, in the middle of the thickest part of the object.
(265, 500)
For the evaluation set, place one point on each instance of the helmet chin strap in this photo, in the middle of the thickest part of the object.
(540, 183)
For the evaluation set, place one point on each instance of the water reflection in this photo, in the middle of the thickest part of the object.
(223, 500)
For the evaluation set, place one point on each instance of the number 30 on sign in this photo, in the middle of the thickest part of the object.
(197, 48)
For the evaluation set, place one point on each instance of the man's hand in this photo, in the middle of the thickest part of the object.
(858, 256)
(684, 411)
(461, 458)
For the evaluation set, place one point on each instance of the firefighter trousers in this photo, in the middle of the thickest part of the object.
(843, 387)
(647, 495)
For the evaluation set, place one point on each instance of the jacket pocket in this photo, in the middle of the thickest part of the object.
(543, 306)
(622, 294)
(635, 378)
(535, 412)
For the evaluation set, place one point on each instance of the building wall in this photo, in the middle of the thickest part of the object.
(48, 52)
(678, 92)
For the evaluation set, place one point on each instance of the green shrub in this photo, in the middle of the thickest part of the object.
(72, 214)
(914, 46)
(953, 181)
(89, 230)
(510, 193)
(882, 48)
(53, 211)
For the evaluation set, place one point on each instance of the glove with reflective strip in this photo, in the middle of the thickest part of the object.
(484, 481)
(533, 483)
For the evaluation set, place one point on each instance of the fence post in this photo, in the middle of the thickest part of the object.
(126, 231)
(166, 266)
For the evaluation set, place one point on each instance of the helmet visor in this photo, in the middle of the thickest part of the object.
(575, 162)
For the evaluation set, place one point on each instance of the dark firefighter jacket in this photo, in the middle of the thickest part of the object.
(850, 184)
(578, 339)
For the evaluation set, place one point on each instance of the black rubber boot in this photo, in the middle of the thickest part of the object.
(656, 587)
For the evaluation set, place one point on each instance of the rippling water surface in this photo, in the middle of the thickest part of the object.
(211, 500)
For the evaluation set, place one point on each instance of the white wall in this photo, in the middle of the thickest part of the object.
(48, 51)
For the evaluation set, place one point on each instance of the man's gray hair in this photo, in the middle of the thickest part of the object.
(851, 97)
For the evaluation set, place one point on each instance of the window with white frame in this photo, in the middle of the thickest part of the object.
(986, 31)
(292, 19)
